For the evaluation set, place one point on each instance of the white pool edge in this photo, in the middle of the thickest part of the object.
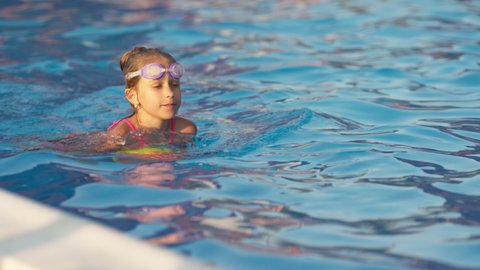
(34, 236)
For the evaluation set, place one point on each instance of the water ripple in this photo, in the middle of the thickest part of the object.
(332, 134)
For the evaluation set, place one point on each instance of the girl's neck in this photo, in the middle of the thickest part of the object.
(144, 120)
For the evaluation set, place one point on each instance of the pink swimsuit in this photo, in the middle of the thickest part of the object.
(133, 128)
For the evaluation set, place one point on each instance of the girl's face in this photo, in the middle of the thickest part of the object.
(160, 98)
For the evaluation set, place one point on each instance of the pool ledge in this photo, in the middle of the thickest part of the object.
(34, 236)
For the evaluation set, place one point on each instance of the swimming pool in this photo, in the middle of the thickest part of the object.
(333, 134)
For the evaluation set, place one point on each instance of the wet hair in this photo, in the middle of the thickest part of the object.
(136, 58)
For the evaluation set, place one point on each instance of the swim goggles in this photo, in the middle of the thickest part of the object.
(155, 71)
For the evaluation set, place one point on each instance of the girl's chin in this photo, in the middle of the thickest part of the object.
(166, 116)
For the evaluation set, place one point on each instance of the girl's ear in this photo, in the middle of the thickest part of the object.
(131, 95)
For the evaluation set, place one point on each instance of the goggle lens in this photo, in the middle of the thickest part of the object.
(152, 71)
(176, 70)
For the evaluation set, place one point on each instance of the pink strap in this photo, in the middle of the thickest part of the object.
(129, 123)
(172, 133)
(114, 124)
(126, 121)
(133, 127)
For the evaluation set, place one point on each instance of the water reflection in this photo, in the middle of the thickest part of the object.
(455, 126)
(160, 175)
(248, 225)
(329, 130)
(48, 183)
(466, 206)
(75, 64)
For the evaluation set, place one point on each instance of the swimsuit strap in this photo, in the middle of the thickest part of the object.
(140, 138)
(126, 121)
(114, 124)
(129, 123)
(133, 128)
(172, 131)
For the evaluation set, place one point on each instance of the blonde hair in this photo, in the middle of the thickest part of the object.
(136, 58)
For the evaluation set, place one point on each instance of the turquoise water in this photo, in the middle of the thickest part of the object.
(332, 134)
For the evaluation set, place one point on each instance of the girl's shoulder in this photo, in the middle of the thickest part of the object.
(185, 126)
(121, 127)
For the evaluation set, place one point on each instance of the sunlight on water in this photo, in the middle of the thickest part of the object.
(332, 134)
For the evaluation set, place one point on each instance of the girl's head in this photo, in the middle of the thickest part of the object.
(152, 82)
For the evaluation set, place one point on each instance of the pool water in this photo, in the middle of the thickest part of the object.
(332, 134)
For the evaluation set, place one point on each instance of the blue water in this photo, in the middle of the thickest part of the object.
(332, 134)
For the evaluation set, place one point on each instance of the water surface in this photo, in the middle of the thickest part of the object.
(332, 134)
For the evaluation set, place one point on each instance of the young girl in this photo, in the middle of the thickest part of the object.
(152, 86)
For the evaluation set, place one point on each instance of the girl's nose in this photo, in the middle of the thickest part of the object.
(168, 91)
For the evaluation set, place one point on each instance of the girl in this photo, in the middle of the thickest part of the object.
(152, 86)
